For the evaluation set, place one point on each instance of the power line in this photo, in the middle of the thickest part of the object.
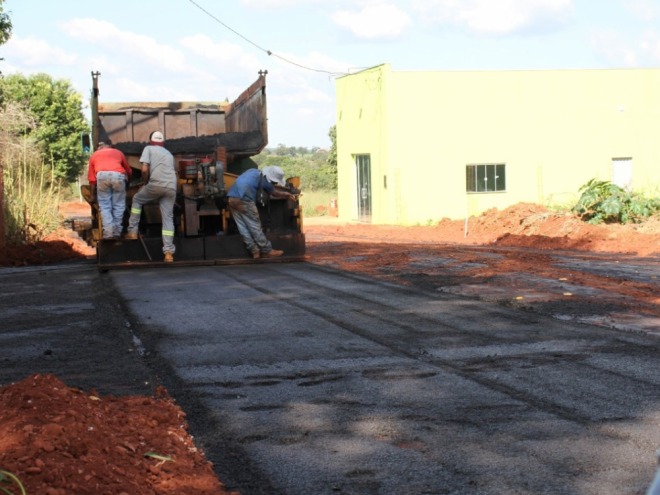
(268, 52)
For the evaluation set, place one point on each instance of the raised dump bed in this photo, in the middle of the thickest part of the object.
(212, 143)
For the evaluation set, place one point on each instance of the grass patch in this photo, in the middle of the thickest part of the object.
(317, 203)
(31, 189)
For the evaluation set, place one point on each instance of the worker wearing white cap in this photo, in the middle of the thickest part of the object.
(242, 198)
(275, 175)
(159, 175)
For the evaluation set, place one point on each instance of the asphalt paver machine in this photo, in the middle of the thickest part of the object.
(212, 143)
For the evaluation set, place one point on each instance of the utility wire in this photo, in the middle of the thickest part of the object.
(270, 53)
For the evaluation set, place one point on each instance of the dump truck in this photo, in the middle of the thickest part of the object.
(212, 143)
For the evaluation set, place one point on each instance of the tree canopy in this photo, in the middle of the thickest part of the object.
(57, 110)
(317, 168)
(5, 25)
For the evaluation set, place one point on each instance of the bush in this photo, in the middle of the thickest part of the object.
(31, 188)
(604, 202)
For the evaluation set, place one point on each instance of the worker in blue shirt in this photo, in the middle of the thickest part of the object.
(242, 198)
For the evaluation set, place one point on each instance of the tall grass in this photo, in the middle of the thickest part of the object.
(316, 203)
(31, 189)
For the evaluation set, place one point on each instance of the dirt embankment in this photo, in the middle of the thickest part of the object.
(524, 225)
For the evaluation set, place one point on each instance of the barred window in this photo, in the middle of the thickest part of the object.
(485, 178)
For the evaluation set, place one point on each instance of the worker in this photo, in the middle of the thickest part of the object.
(242, 205)
(159, 177)
(108, 174)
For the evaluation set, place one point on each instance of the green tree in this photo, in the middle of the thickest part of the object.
(317, 168)
(312, 167)
(57, 110)
(5, 26)
(5, 34)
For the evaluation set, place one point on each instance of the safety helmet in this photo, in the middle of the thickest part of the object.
(275, 174)
(157, 137)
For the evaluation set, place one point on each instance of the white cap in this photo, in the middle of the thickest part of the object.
(157, 137)
(275, 174)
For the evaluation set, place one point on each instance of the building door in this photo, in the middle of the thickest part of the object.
(622, 172)
(363, 169)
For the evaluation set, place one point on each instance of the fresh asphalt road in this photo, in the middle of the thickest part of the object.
(321, 382)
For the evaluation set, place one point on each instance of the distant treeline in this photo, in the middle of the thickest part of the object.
(316, 167)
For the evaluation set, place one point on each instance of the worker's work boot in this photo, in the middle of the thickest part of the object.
(274, 253)
(169, 257)
(131, 236)
(255, 255)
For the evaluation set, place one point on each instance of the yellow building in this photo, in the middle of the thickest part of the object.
(416, 147)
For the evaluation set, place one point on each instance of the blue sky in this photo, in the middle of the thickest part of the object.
(148, 50)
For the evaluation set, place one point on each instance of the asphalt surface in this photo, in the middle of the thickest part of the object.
(69, 320)
(298, 379)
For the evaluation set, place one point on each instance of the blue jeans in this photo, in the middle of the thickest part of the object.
(166, 198)
(247, 220)
(111, 195)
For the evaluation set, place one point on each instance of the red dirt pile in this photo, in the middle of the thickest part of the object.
(59, 440)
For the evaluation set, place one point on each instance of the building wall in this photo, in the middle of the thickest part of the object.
(361, 117)
(553, 130)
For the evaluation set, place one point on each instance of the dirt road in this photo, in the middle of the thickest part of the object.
(608, 289)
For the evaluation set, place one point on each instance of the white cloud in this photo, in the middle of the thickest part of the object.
(625, 51)
(646, 10)
(650, 47)
(296, 91)
(311, 65)
(33, 52)
(102, 61)
(495, 18)
(126, 44)
(133, 90)
(222, 55)
(295, 87)
(374, 21)
(614, 48)
(280, 3)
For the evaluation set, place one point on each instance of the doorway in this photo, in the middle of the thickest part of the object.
(363, 170)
